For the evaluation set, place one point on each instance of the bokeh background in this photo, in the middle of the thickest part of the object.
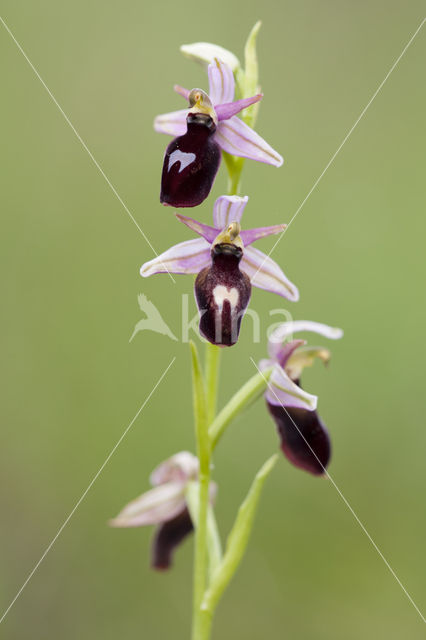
(72, 382)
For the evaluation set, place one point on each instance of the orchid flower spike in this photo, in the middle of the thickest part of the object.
(192, 159)
(304, 437)
(227, 265)
(165, 506)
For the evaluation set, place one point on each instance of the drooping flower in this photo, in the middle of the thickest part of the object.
(227, 265)
(193, 157)
(304, 437)
(164, 506)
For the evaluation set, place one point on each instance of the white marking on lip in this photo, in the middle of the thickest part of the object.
(221, 293)
(182, 157)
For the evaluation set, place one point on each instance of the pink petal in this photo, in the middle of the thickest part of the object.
(208, 233)
(248, 236)
(226, 111)
(266, 274)
(228, 209)
(186, 257)
(181, 467)
(221, 82)
(284, 392)
(287, 350)
(238, 139)
(287, 329)
(153, 507)
(173, 123)
(182, 91)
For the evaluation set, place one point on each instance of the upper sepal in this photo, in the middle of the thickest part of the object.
(205, 53)
(286, 330)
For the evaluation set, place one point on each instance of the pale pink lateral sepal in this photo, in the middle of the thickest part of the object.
(186, 257)
(238, 139)
(173, 123)
(266, 274)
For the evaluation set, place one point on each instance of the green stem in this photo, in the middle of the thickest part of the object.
(202, 620)
(235, 166)
(201, 623)
(248, 393)
(214, 545)
(200, 630)
(235, 178)
(212, 375)
(237, 540)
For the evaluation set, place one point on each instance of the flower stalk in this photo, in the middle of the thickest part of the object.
(237, 540)
(212, 378)
(226, 267)
(209, 429)
(203, 453)
(244, 397)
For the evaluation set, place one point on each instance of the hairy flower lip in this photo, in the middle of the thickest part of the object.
(191, 160)
(305, 440)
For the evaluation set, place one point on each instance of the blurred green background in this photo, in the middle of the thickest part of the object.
(72, 382)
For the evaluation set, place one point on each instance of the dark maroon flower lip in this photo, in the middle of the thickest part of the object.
(222, 290)
(167, 538)
(222, 293)
(191, 163)
(304, 438)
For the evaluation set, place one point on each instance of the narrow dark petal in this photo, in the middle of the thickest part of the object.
(167, 537)
(222, 292)
(304, 437)
(190, 164)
